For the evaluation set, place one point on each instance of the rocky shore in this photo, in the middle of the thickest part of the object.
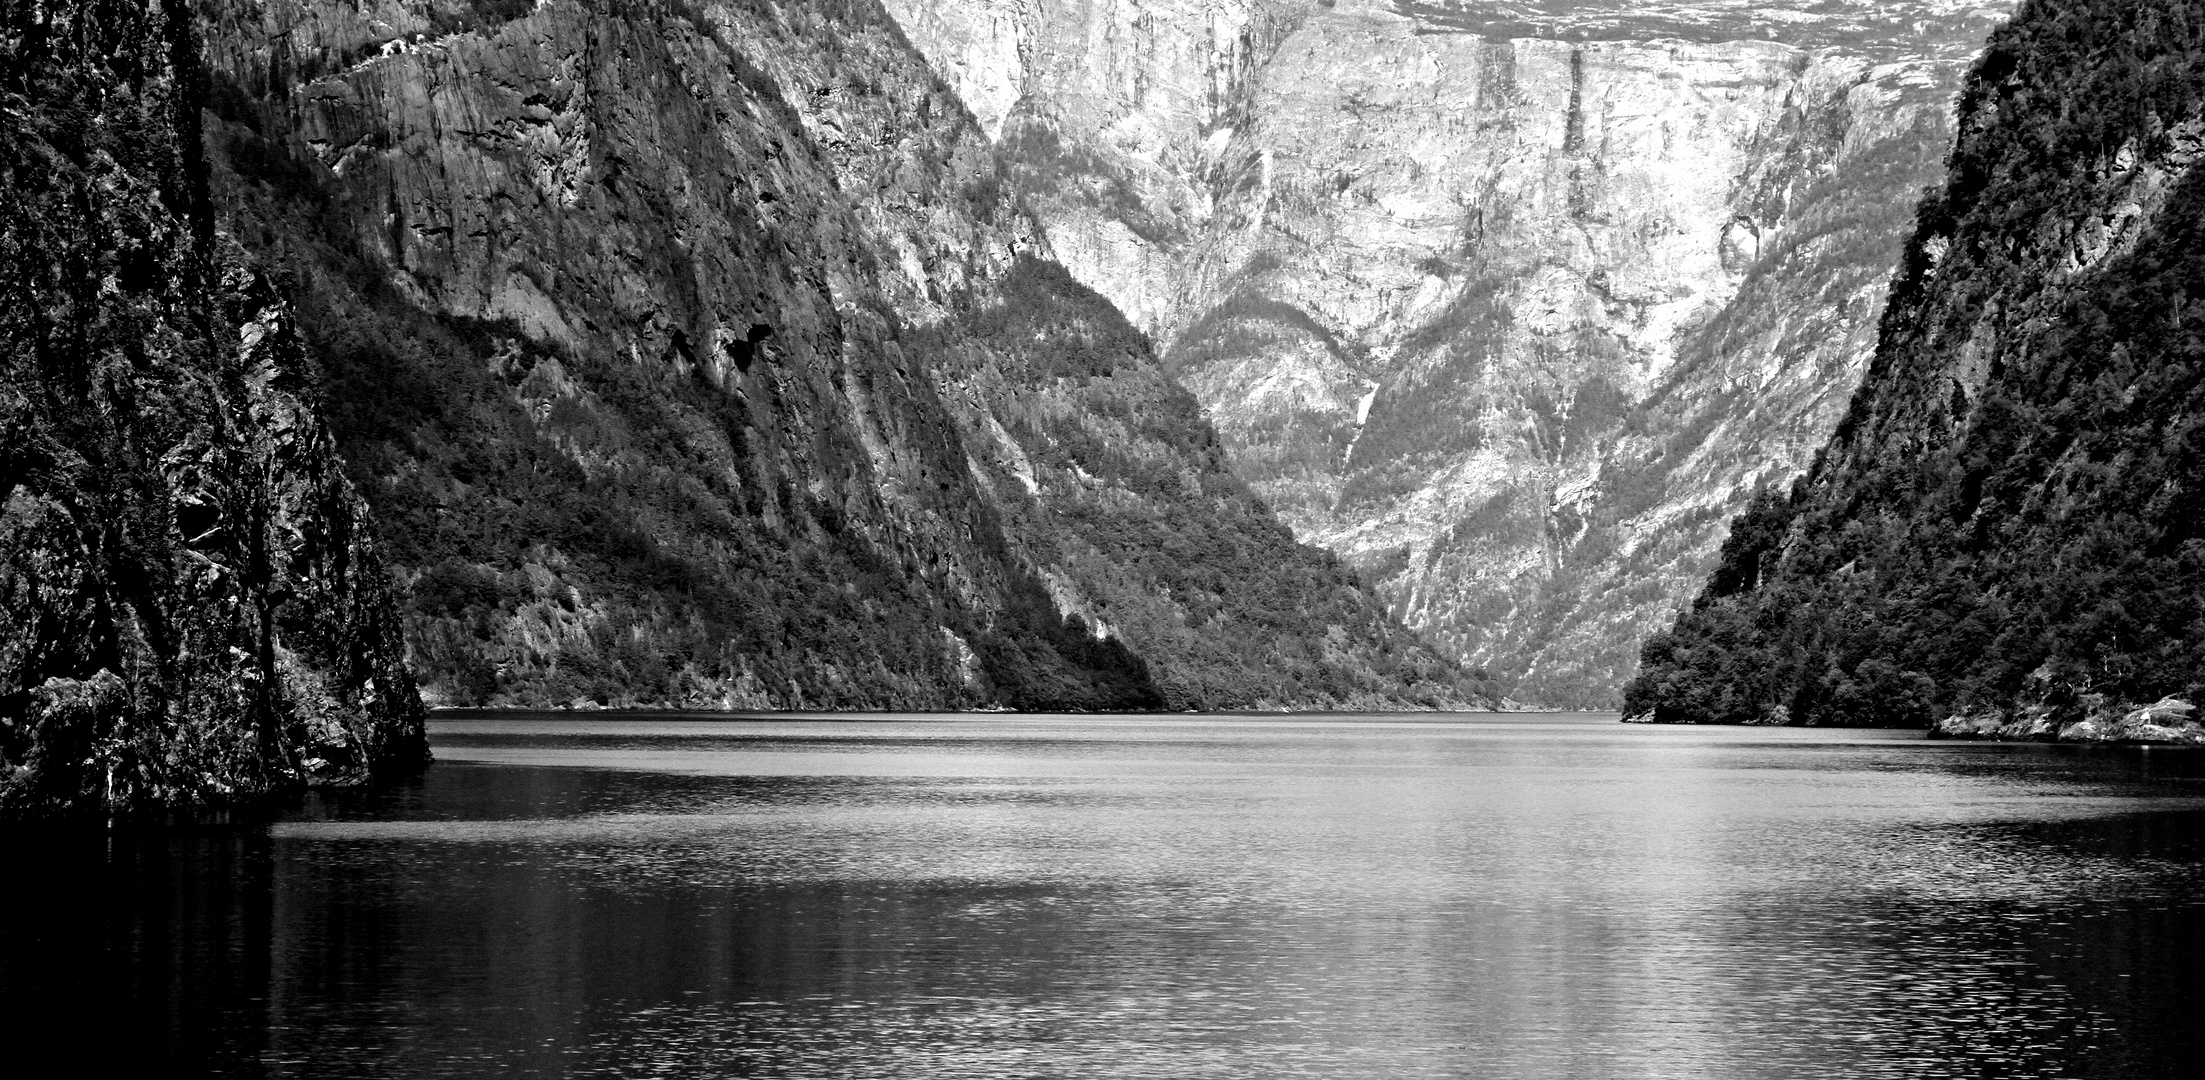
(2168, 720)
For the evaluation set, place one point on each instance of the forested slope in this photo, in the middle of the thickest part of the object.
(1107, 472)
(2007, 532)
(658, 339)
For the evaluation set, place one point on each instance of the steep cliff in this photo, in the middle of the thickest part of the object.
(2004, 534)
(1512, 307)
(669, 343)
(192, 611)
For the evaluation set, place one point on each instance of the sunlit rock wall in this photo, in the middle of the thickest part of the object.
(1512, 312)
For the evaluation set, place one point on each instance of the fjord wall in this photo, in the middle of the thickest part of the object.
(1512, 312)
(194, 611)
(2002, 537)
(691, 354)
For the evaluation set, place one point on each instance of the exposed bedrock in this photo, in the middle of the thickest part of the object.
(685, 352)
(1514, 313)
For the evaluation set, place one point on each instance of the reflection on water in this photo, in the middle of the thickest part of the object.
(1035, 896)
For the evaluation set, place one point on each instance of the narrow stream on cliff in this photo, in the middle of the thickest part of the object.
(1020, 896)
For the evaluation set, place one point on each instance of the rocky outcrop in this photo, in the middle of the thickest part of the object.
(2166, 721)
(2004, 530)
(1512, 311)
(193, 612)
(664, 342)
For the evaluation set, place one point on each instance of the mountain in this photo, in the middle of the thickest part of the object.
(700, 354)
(193, 610)
(2004, 534)
(1512, 306)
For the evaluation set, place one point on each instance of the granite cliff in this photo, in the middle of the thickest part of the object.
(2003, 535)
(1512, 307)
(700, 354)
(193, 611)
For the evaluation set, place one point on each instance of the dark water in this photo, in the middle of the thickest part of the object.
(1021, 896)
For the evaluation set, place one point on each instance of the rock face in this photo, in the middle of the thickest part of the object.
(2003, 536)
(192, 610)
(687, 355)
(1511, 311)
(2166, 721)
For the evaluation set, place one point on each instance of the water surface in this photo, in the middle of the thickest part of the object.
(1017, 896)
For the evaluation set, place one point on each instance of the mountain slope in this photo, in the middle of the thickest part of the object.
(653, 335)
(1510, 306)
(2006, 526)
(192, 612)
(1108, 474)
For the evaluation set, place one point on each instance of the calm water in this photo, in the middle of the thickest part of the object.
(1043, 897)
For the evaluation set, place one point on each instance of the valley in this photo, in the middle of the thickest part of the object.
(1511, 306)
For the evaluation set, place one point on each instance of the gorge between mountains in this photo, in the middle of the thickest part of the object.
(1137, 539)
(1066, 355)
(1513, 311)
